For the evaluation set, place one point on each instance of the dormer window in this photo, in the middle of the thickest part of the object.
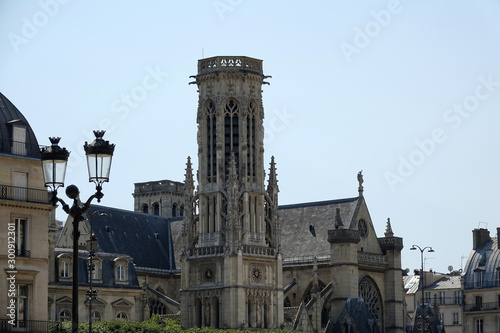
(121, 270)
(120, 273)
(478, 277)
(19, 139)
(65, 270)
(64, 261)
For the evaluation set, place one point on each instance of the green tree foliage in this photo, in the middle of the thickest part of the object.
(154, 325)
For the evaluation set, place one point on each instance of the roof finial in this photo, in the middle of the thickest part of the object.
(338, 219)
(388, 229)
(273, 177)
(360, 181)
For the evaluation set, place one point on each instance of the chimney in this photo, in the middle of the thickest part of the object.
(480, 237)
(498, 238)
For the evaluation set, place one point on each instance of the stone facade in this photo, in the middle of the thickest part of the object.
(161, 198)
(27, 221)
(231, 260)
(335, 242)
(481, 284)
(133, 292)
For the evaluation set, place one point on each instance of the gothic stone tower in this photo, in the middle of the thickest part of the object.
(231, 260)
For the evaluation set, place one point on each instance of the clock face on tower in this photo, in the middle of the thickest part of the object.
(256, 274)
(208, 274)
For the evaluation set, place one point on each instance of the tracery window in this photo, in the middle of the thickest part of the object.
(211, 142)
(157, 307)
(369, 292)
(231, 132)
(251, 141)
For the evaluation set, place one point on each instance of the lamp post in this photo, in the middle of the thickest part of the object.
(429, 249)
(91, 294)
(54, 161)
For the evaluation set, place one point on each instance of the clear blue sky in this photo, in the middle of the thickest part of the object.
(407, 91)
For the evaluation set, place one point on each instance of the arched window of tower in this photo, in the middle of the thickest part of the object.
(174, 210)
(231, 132)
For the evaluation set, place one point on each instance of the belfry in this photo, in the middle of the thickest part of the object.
(231, 260)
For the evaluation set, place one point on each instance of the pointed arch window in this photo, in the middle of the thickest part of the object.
(174, 210)
(211, 142)
(231, 132)
(156, 209)
(370, 293)
(251, 141)
(145, 208)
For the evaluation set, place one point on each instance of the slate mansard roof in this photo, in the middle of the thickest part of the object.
(154, 242)
(296, 239)
(9, 117)
(145, 238)
(107, 269)
(483, 260)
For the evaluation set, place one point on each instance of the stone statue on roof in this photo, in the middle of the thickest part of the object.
(360, 182)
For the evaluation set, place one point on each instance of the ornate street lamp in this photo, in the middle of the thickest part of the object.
(422, 320)
(92, 293)
(54, 160)
(415, 247)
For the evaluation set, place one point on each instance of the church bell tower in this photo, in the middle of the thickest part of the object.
(231, 260)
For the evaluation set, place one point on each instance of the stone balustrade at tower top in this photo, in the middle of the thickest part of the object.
(159, 186)
(229, 63)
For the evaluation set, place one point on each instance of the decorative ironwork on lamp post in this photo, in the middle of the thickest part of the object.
(54, 161)
(92, 293)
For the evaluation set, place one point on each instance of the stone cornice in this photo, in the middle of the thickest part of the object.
(391, 243)
(343, 236)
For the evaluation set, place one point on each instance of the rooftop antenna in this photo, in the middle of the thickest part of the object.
(202, 53)
(427, 259)
(461, 262)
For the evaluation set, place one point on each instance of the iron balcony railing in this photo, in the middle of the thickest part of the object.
(39, 326)
(24, 194)
(493, 306)
(443, 301)
(20, 148)
(482, 284)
